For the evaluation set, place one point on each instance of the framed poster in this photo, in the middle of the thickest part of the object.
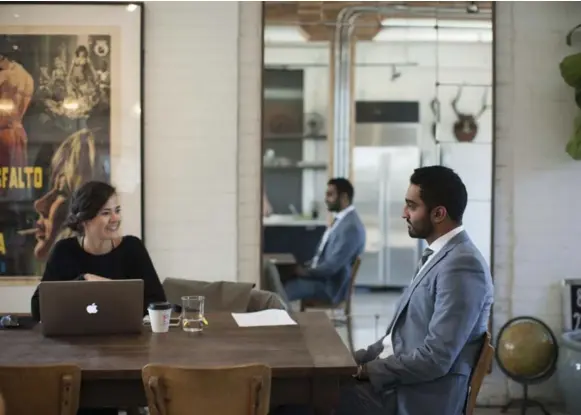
(71, 95)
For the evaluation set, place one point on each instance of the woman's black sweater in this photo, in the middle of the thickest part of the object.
(128, 260)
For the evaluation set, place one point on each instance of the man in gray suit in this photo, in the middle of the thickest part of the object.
(327, 275)
(439, 324)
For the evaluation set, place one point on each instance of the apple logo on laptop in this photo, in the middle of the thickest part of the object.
(92, 309)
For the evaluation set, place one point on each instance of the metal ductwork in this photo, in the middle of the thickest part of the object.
(342, 84)
(345, 25)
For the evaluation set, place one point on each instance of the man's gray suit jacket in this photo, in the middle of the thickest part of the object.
(437, 333)
(346, 242)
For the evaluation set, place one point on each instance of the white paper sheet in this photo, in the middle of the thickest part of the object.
(264, 318)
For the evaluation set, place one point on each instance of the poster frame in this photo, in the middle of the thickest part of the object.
(140, 11)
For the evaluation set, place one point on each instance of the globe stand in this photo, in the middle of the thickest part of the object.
(525, 402)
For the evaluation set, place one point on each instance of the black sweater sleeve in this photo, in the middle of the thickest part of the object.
(56, 269)
(130, 260)
(145, 270)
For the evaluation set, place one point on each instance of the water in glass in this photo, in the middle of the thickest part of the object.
(193, 313)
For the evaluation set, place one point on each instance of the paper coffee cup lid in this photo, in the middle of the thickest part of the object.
(160, 306)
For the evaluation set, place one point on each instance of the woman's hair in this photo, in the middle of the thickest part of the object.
(86, 203)
(74, 160)
(74, 163)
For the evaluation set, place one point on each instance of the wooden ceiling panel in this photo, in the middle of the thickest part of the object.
(315, 19)
(324, 13)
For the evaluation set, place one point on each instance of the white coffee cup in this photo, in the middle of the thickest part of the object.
(159, 316)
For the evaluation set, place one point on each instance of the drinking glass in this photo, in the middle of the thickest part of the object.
(193, 313)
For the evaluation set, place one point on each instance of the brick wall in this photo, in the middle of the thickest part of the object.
(202, 155)
(249, 140)
(536, 232)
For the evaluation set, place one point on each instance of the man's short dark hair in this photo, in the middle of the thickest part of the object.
(343, 186)
(441, 186)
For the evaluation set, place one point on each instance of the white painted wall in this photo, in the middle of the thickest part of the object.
(445, 62)
(536, 231)
(202, 100)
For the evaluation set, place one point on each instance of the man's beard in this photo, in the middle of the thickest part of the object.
(422, 231)
(333, 207)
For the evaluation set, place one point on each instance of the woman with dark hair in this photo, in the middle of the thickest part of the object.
(98, 251)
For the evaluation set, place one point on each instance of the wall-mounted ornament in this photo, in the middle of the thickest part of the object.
(569, 38)
(435, 107)
(314, 124)
(466, 125)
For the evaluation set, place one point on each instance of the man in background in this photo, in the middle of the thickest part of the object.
(326, 277)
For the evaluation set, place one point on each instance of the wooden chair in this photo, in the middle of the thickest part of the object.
(346, 304)
(479, 372)
(46, 389)
(235, 390)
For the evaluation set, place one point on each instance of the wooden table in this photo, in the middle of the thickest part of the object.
(309, 361)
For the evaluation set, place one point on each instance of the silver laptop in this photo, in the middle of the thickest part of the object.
(91, 307)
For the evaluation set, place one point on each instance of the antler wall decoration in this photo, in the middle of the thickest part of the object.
(569, 37)
(435, 107)
(466, 125)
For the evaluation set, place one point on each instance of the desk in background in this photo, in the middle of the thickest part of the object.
(294, 235)
(281, 259)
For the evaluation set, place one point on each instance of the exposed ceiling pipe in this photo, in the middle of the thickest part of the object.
(342, 84)
(400, 11)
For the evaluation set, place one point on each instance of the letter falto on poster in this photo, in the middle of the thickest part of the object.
(70, 112)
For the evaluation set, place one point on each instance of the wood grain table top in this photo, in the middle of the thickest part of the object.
(311, 347)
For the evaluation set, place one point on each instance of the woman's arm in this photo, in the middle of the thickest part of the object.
(144, 269)
(57, 266)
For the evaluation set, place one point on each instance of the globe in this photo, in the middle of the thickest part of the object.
(526, 350)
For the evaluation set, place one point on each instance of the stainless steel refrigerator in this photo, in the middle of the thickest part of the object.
(385, 154)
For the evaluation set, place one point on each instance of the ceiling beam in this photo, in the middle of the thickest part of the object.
(323, 14)
(313, 17)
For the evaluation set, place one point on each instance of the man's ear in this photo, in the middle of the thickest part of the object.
(439, 214)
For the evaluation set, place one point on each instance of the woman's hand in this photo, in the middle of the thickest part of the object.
(92, 277)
